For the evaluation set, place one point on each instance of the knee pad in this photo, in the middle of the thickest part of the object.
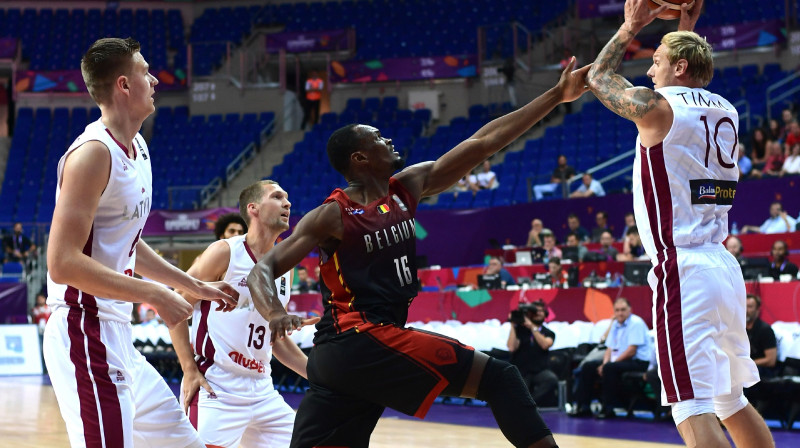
(687, 408)
(500, 378)
(727, 405)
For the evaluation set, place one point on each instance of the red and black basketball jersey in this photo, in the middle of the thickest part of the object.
(372, 275)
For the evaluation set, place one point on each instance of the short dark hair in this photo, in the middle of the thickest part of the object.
(572, 215)
(604, 213)
(756, 298)
(573, 234)
(104, 62)
(785, 244)
(632, 230)
(556, 260)
(341, 145)
(301, 268)
(623, 299)
(224, 221)
(252, 193)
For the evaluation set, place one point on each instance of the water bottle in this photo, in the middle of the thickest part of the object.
(734, 229)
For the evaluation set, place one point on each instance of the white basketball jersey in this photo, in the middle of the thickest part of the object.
(684, 186)
(236, 341)
(118, 222)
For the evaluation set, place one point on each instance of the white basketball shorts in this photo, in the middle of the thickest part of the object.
(699, 312)
(109, 395)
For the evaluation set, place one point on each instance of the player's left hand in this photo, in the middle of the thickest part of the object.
(281, 324)
(638, 14)
(690, 12)
(220, 293)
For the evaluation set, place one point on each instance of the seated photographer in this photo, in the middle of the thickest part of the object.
(529, 342)
(495, 267)
(628, 350)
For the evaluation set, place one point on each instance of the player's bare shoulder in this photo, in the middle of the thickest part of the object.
(414, 177)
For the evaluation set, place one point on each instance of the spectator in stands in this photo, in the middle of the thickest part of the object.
(549, 245)
(763, 346)
(787, 117)
(304, 284)
(734, 246)
(464, 184)
(150, 317)
(628, 350)
(601, 225)
(778, 222)
(773, 130)
(40, 312)
(18, 247)
(780, 264)
(607, 248)
(534, 235)
(573, 241)
(630, 221)
(792, 136)
(745, 164)
(529, 342)
(632, 248)
(775, 158)
(486, 179)
(589, 187)
(318, 280)
(556, 277)
(229, 225)
(758, 148)
(574, 225)
(791, 166)
(314, 85)
(495, 267)
(561, 174)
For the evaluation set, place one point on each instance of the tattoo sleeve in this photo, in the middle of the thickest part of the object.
(612, 89)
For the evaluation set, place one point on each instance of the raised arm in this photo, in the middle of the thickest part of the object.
(612, 89)
(85, 177)
(431, 178)
(320, 227)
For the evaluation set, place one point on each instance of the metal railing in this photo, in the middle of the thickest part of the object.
(783, 95)
(746, 115)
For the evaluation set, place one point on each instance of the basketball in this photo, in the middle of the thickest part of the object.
(673, 8)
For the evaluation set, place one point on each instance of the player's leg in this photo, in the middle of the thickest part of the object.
(513, 408)
(159, 419)
(328, 419)
(272, 423)
(748, 429)
(81, 357)
(700, 430)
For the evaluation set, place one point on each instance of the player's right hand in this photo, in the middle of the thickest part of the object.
(171, 307)
(193, 380)
(282, 324)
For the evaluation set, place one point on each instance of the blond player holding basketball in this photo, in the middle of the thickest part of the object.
(227, 388)
(684, 182)
(108, 394)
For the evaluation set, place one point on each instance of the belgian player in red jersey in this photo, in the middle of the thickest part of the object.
(364, 358)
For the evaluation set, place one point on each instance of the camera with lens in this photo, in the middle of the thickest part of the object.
(517, 316)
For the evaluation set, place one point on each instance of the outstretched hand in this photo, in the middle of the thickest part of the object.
(638, 15)
(573, 82)
(282, 324)
(221, 293)
(690, 13)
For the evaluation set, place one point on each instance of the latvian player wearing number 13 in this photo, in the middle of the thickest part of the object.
(684, 181)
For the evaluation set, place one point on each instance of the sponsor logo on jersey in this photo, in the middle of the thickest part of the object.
(243, 282)
(712, 191)
(354, 211)
(247, 363)
(399, 203)
(383, 208)
(120, 376)
(141, 150)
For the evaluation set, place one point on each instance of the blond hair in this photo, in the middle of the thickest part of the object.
(695, 50)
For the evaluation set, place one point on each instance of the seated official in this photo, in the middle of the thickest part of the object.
(628, 350)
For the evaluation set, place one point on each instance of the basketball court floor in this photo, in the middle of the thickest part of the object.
(30, 419)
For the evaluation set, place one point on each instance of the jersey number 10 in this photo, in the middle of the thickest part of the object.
(722, 121)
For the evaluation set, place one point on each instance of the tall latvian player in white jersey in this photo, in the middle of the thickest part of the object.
(109, 395)
(685, 178)
(229, 353)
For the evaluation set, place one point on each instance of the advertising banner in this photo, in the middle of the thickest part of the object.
(20, 350)
(300, 42)
(164, 222)
(66, 81)
(404, 69)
